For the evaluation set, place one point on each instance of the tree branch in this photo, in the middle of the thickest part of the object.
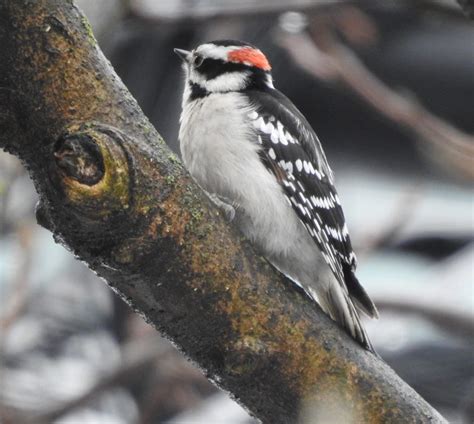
(114, 194)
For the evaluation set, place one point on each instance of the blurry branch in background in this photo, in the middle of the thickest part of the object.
(15, 300)
(468, 7)
(8, 174)
(457, 324)
(136, 358)
(398, 218)
(200, 11)
(113, 193)
(176, 10)
(322, 55)
(446, 7)
(17, 297)
(173, 385)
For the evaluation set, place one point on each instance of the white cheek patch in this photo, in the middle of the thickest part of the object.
(230, 81)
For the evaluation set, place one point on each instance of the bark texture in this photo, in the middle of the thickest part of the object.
(113, 193)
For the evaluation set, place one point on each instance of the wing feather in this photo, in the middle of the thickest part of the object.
(299, 164)
(292, 152)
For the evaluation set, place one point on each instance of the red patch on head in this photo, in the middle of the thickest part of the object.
(250, 56)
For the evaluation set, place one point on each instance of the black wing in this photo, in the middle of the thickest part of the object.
(292, 151)
(289, 144)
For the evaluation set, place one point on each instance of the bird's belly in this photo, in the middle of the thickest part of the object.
(221, 153)
(286, 243)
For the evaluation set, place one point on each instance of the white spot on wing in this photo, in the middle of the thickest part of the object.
(316, 223)
(281, 134)
(290, 138)
(301, 208)
(302, 197)
(253, 115)
(274, 136)
(306, 167)
(259, 123)
(299, 165)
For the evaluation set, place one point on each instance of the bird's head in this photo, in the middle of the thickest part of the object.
(225, 66)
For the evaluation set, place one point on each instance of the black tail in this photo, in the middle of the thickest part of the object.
(358, 294)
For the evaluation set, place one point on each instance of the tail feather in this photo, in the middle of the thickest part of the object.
(358, 294)
(339, 306)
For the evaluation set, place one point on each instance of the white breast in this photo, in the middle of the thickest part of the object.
(219, 149)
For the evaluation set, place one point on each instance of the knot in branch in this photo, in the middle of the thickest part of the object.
(79, 157)
(92, 169)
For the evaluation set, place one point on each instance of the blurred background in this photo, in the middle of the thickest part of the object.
(389, 88)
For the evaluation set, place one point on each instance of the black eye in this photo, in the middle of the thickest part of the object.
(198, 61)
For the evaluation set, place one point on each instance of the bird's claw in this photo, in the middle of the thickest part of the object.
(225, 205)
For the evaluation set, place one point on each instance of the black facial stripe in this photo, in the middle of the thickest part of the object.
(197, 91)
(212, 68)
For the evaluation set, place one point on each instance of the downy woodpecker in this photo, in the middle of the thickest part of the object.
(258, 158)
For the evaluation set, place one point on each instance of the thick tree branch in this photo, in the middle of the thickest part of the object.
(119, 199)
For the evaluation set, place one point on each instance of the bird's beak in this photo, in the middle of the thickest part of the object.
(183, 54)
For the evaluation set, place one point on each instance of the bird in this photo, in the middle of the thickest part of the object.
(260, 161)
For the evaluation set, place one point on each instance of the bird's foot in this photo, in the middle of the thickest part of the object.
(225, 205)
